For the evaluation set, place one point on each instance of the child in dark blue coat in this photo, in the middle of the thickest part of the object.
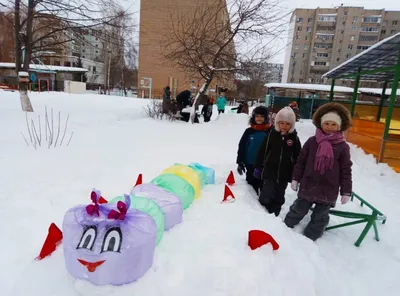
(250, 143)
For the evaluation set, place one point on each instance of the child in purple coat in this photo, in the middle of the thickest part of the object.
(323, 170)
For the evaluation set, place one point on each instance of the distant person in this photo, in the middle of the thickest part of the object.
(207, 109)
(221, 103)
(323, 170)
(249, 144)
(275, 160)
(183, 99)
(166, 99)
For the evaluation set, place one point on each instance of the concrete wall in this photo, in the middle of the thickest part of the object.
(74, 87)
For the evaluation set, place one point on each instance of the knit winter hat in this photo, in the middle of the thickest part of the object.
(285, 114)
(332, 116)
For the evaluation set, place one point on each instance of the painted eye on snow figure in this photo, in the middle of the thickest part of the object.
(112, 240)
(88, 238)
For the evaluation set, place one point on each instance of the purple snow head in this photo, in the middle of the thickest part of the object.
(107, 245)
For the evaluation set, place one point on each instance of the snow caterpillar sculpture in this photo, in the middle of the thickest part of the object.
(113, 243)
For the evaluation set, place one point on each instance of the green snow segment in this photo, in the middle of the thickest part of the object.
(148, 206)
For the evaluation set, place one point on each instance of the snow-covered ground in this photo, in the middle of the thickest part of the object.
(207, 254)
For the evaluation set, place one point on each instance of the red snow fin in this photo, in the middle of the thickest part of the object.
(102, 200)
(139, 180)
(258, 238)
(231, 179)
(228, 193)
(53, 239)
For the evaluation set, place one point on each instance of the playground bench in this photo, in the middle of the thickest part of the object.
(369, 219)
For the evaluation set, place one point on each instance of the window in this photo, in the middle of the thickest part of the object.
(348, 55)
(299, 20)
(368, 38)
(369, 29)
(385, 23)
(355, 19)
(371, 19)
(299, 28)
(322, 55)
(327, 18)
(383, 32)
(308, 29)
(310, 19)
(304, 55)
(306, 38)
(323, 45)
(393, 32)
(297, 46)
(313, 63)
(94, 69)
(352, 37)
(301, 80)
(83, 57)
(294, 55)
(306, 46)
(297, 37)
(350, 46)
(325, 37)
(338, 59)
(394, 23)
(353, 28)
(363, 47)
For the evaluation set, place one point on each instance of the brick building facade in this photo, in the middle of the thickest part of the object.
(156, 17)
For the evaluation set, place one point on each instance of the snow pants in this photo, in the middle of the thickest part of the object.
(319, 217)
(251, 180)
(272, 196)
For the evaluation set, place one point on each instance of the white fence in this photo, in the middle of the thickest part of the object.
(74, 87)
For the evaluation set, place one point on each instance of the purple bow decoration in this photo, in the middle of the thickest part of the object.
(122, 208)
(94, 208)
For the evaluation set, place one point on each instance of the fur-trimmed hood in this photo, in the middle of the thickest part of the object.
(338, 108)
(285, 114)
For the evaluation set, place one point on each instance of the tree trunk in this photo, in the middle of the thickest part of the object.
(196, 102)
(26, 104)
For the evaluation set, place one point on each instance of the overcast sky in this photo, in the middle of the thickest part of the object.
(292, 4)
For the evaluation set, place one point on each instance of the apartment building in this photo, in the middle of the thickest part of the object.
(321, 39)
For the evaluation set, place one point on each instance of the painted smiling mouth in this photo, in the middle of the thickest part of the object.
(91, 266)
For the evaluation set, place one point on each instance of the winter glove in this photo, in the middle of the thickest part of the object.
(241, 168)
(257, 173)
(345, 199)
(294, 185)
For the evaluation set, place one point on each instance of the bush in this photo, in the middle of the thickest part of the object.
(155, 110)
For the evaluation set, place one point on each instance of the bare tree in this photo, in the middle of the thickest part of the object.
(212, 39)
(48, 25)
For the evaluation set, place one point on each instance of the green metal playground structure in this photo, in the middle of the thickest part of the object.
(380, 62)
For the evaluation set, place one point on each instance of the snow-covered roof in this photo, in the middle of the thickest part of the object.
(377, 91)
(311, 87)
(384, 54)
(46, 68)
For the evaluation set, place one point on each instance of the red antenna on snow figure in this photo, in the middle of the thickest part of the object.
(231, 179)
(53, 239)
(228, 195)
(139, 180)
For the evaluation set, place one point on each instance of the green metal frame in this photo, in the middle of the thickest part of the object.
(369, 219)
(395, 85)
(355, 92)
(383, 97)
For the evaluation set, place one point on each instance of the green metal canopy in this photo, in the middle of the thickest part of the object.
(377, 63)
(380, 62)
